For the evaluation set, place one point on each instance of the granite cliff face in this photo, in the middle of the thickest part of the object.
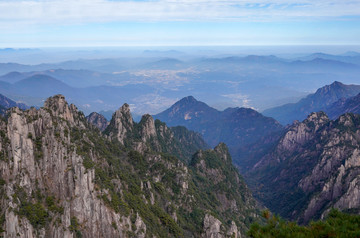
(59, 177)
(313, 167)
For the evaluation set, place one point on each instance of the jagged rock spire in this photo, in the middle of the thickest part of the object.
(121, 123)
(59, 107)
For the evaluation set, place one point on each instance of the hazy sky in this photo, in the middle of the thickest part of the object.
(47, 23)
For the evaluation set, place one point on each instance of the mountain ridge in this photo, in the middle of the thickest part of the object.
(318, 101)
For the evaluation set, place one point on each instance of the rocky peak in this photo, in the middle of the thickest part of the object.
(300, 133)
(147, 127)
(223, 151)
(97, 120)
(318, 119)
(336, 85)
(121, 123)
(124, 113)
(60, 108)
(188, 99)
(348, 120)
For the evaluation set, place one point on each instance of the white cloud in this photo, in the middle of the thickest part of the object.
(239, 99)
(83, 11)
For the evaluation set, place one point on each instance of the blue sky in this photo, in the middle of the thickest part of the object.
(49, 23)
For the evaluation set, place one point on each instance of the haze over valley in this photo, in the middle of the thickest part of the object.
(152, 80)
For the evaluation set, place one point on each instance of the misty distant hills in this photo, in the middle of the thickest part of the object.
(319, 101)
(256, 81)
(13, 77)
(6, 103)
(76, 78)
(348, 57)
(42, 86)
(166, 64)
(237, 127)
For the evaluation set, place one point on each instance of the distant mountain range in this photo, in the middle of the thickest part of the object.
(40, 86)
(349, 57)
(257, 81)
(6, 103)
(321, 100)
(237, 127)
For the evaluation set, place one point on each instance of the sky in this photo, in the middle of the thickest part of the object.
(87, 23)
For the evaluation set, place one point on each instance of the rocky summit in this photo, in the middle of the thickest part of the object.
(98, 120)
(62, 177)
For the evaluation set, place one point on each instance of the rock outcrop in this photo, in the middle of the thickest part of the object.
(98, 120)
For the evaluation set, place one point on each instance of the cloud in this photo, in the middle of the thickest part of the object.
(239, 99)
(88, 11)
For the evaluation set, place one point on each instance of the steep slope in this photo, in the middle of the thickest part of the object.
(188, 112)
(97, 120)
(313, 167)
(6, 103)
(318, 101)
(344, 105)
(153, 135)
(237, 127)
(60, 177)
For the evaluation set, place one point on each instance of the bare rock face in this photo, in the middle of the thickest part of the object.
(295, 138)
(39, 159)
(212, 227)
(98, 120)
(148, 130)
(317, 162)
(60, 177)
(121, 123)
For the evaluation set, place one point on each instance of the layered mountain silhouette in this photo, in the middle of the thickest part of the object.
(237, 127)
(6, 103)
(319, 101)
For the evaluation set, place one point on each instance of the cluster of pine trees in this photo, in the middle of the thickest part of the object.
(337, 224)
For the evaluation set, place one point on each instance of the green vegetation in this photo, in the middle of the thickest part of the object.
(337, 224)
(37, 209)
(35, 213)
(75, 227)
(88, 163)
